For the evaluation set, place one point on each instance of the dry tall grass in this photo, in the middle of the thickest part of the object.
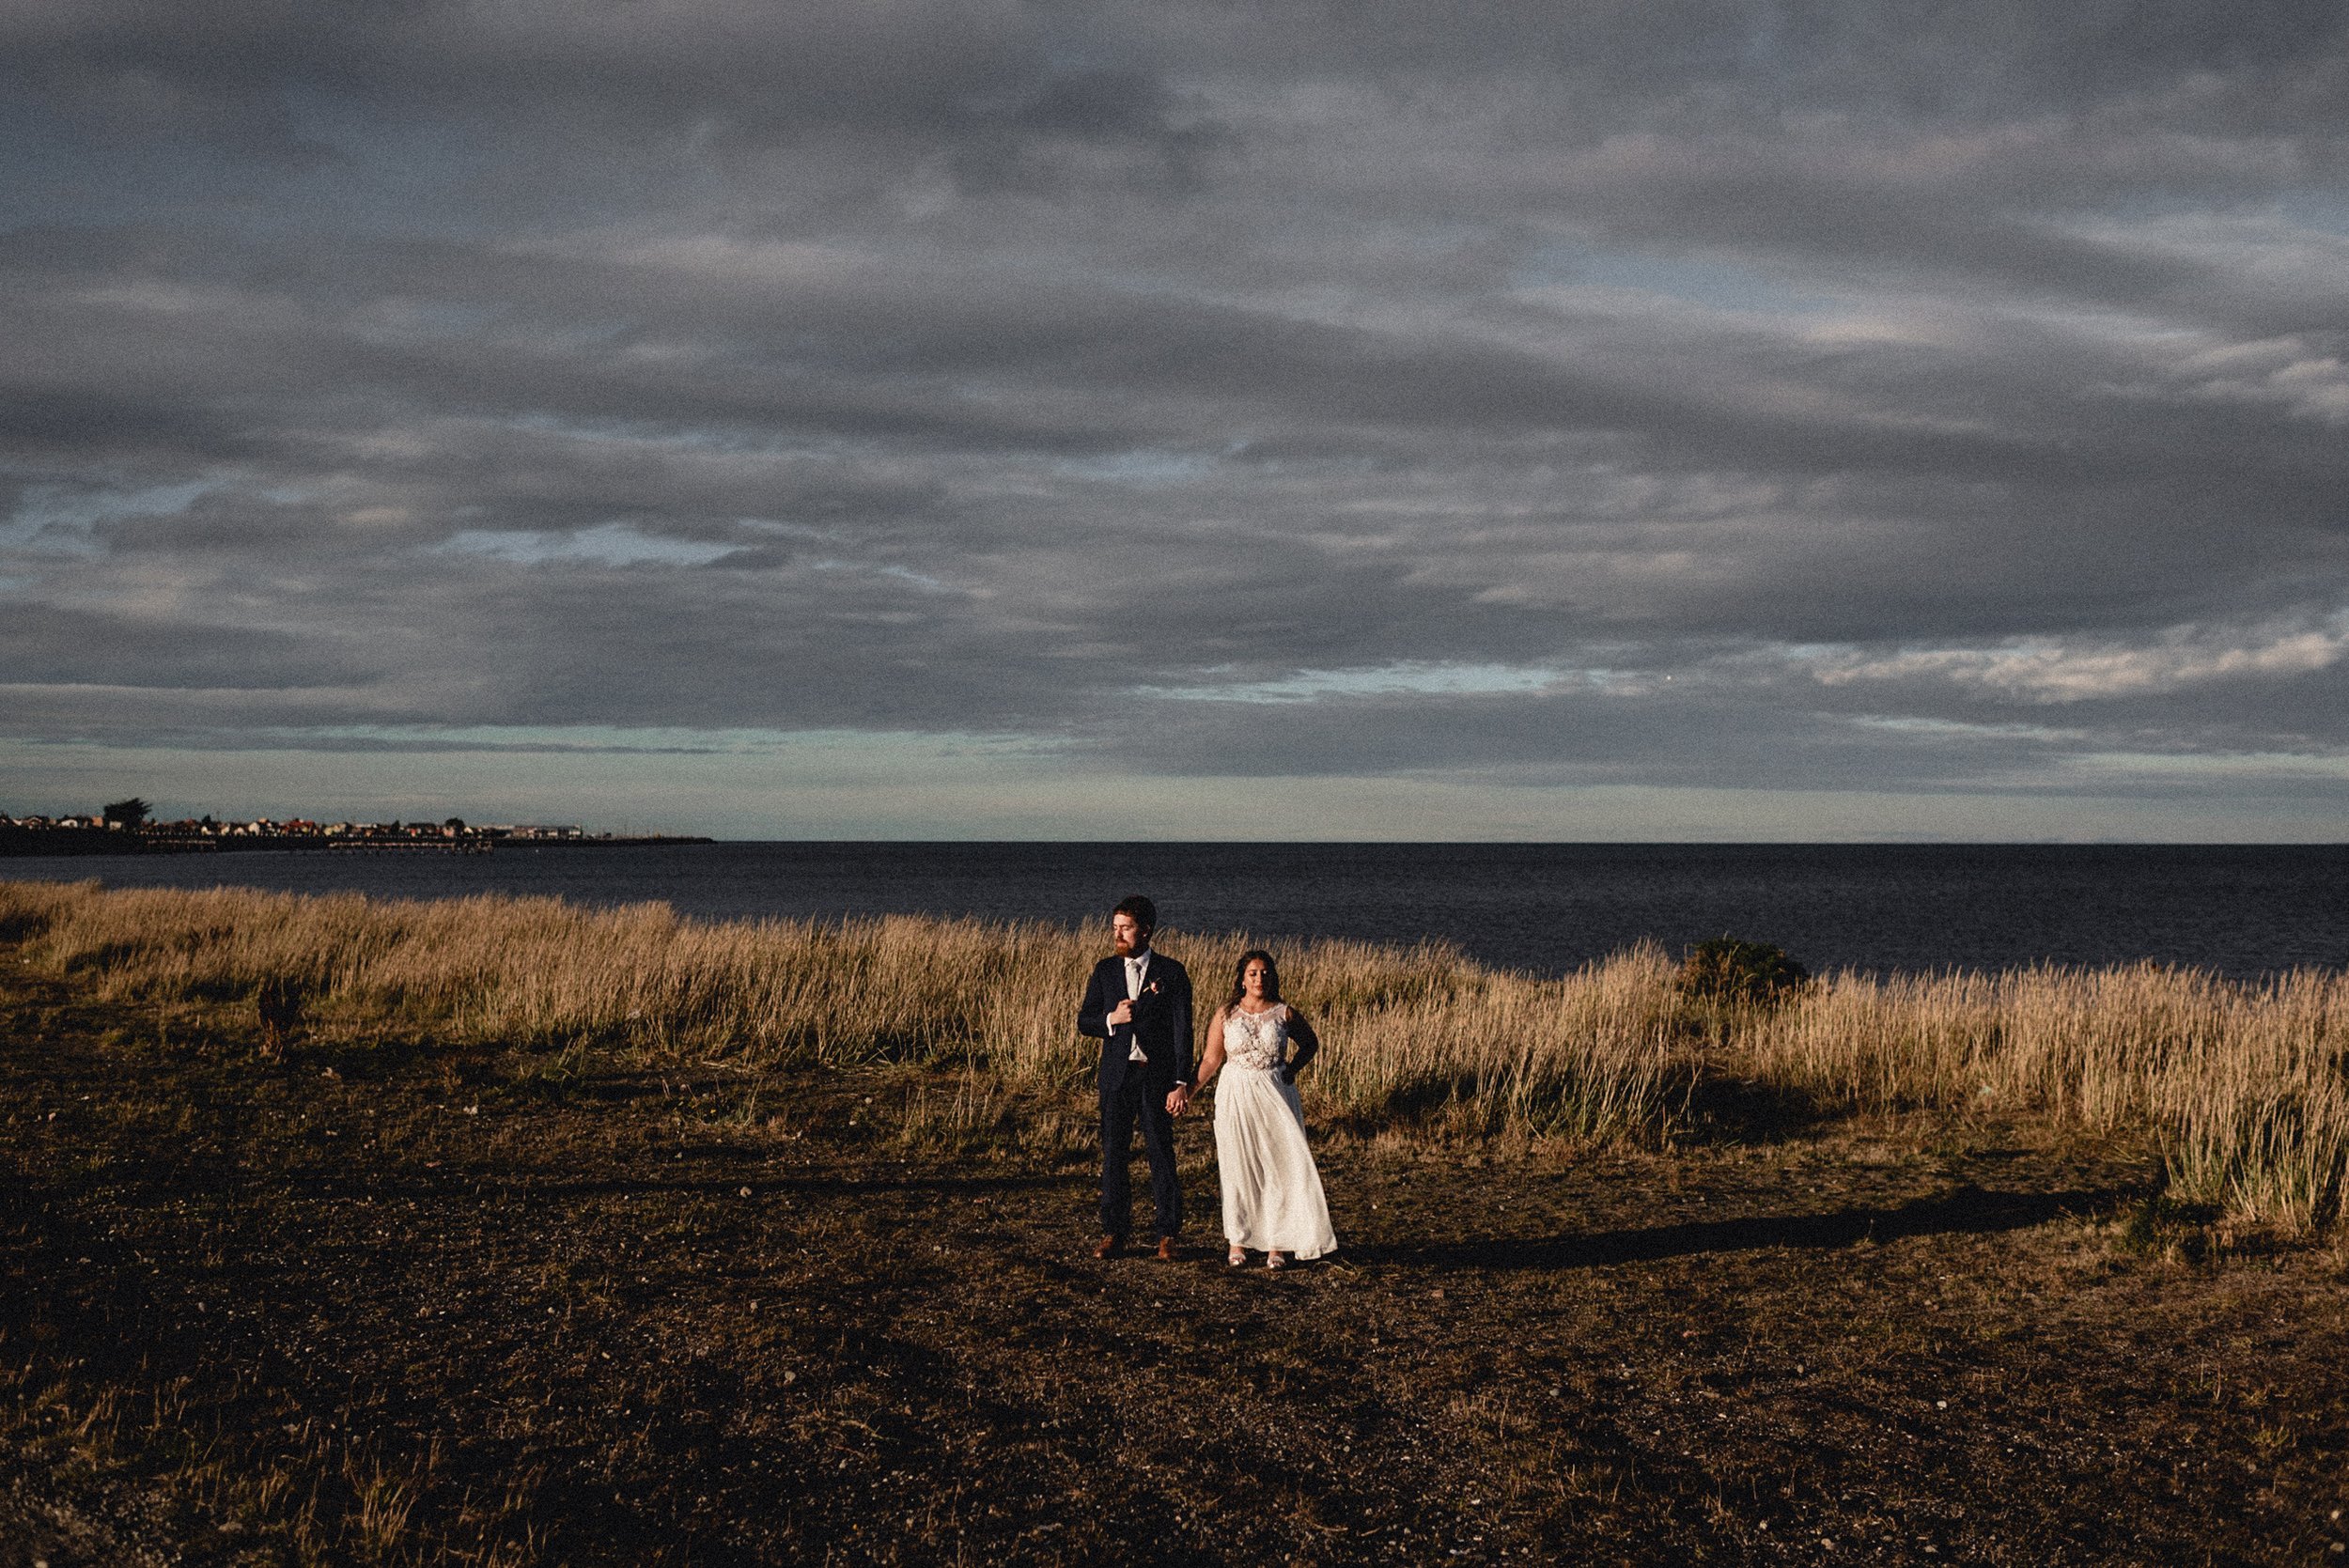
(2246, 1086)
(1413, 1032)
(2246, 1083)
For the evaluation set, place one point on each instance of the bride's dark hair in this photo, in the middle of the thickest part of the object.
(1239, 976)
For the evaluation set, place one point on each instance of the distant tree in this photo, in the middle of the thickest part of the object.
(455, 824)
(131, 812)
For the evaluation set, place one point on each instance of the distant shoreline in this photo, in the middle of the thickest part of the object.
(97, 842)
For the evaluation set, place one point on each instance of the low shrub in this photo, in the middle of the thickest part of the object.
(1729, 970)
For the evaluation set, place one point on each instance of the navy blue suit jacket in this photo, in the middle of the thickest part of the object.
(1161, 1022)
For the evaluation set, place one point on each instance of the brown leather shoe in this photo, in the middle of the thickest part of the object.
(1166, 1248)
(1109, 1247)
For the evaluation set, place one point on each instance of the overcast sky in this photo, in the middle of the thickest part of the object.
(1655, 419)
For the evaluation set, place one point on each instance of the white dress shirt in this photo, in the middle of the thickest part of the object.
(1136, 965)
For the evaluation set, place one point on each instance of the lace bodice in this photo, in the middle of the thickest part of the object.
(1259, 1041)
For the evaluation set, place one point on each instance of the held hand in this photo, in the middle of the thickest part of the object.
(1177, 1102)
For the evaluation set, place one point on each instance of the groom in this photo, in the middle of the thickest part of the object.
(1138, 1005)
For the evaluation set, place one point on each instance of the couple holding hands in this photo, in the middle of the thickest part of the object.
(1138, 1004)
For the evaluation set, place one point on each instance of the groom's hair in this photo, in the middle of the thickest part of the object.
(1144, 912)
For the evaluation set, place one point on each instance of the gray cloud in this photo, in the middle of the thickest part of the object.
(1944, 398)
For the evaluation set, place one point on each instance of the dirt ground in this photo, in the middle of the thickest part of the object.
(384, 1306)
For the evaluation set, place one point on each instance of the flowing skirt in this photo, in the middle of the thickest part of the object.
(1272, 1198)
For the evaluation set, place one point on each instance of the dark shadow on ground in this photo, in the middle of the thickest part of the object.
(480, 1181)
(1730, 1111)
(453, 1181)
(1968, 1210)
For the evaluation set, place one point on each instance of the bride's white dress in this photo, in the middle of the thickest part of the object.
(1272, 1198)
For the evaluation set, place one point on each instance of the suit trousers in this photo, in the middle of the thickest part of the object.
(1134, 1100)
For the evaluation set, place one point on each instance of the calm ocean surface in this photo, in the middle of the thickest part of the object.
(2241, 911)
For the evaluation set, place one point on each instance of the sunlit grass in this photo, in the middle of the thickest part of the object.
(2245, 1085)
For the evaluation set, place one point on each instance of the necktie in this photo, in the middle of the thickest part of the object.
(1133, 988)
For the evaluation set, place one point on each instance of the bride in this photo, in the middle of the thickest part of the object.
(1271, 1192)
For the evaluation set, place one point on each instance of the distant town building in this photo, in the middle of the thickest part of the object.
(115, 831)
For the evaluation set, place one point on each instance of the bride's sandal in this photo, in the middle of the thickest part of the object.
(1274, 1259)
(1236, 1257)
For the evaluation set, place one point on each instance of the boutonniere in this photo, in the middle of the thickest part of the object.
(1151, 989)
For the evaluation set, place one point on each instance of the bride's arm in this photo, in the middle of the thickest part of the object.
(1211, 1059)
(1308, 1043)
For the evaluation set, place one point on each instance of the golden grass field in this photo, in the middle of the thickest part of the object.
(505, 1231)
(2243, 1088)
